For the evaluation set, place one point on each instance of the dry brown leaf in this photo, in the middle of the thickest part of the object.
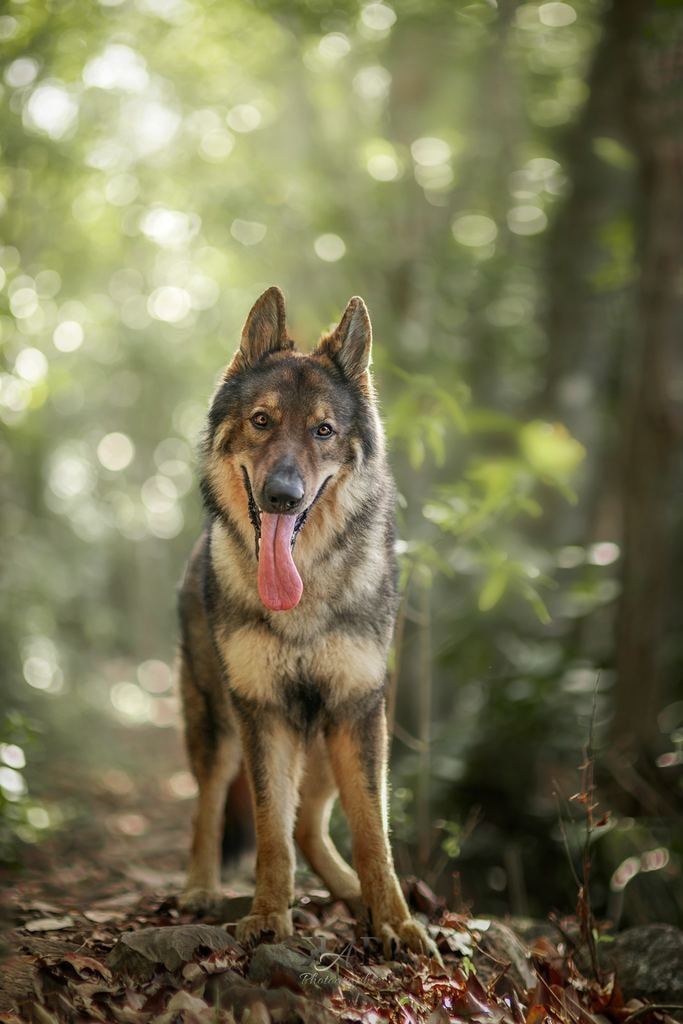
(49, 924)
(84, 965)
(104, 916)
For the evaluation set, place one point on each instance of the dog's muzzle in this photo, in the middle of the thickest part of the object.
(279, 584)
(255, 510)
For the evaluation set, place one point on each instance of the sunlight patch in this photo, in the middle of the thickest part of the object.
(430, 151)
(171, 229)
(329, 248)
(31, 365)
(378, 17)
(21, 72)
(248, 232)
(474, 229)
(245, 117)
(117, 67)
(68, 336)
(169, 304)
(372, 82)
(556, 15)
(51, 109)
(115, 451)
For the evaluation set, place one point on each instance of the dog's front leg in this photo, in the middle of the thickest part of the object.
(357, 750)
(274, 759)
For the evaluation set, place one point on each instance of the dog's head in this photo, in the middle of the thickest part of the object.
(283, 428)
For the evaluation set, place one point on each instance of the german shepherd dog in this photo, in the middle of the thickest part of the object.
(287, 609)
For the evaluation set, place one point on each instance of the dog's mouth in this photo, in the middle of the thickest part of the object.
(279, 583)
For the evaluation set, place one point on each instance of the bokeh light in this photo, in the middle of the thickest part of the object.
(329, 248)
(68, 336)
(115, 451)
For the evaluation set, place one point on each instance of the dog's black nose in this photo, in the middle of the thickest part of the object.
(283, 491)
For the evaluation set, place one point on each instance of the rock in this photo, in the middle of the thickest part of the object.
(138, 954)
(648, 961)
(256, 1013)
(240, 998)
(279, 965)
(232, 908)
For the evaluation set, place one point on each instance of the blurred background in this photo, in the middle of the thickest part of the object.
(503, 184)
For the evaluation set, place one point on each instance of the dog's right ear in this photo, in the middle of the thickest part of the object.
(265, 331)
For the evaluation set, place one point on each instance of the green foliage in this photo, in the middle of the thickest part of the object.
(22, 819)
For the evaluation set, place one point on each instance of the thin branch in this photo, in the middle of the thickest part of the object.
(587, 796)
(407, 738)
(651, 1008)
(425, 726)
(565, 838)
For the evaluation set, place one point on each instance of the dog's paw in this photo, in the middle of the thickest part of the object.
(279, 925)
(408, 934)
(200, 901)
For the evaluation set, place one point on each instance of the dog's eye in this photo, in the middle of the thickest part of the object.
(324, 430)
(260, 420)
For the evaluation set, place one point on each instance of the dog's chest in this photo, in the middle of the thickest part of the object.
(304, 705)
(305, 680)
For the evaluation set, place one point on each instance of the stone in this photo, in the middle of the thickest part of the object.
(648, 961)
(279, 965)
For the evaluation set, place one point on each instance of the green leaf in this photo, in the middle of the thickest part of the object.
(416, 452)
(550, 449)
(493, 589)
(612, 152)
(537, 603)
(454, 409)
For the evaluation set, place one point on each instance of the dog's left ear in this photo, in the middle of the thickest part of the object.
(350, 343)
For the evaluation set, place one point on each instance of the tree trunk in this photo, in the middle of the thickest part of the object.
(649, 438)
(589, 300)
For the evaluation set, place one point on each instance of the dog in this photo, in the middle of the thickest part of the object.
(287, 610)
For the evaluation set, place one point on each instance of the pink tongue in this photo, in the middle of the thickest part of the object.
(279, 583)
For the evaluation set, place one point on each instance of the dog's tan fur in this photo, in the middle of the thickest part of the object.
(297, 695)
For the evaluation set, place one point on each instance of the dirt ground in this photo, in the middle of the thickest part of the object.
(91, 931)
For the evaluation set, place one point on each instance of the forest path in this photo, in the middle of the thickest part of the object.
(92, 933)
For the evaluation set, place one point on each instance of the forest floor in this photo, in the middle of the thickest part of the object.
(92, 932)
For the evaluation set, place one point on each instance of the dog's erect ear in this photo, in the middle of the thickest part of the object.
(350, 342)
(265, 331)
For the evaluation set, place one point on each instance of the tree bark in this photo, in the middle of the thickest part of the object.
(649, 434)
(586, 310)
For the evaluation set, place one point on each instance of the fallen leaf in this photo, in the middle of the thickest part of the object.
(537, 1014)
(479, 924)
(185, 1001)
(49, 924)
(83, 965)
(192, 973)
(458, 942)
(220, 961)
(41, 906)
(439, 1016)
(150, 878)
(104, 916)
